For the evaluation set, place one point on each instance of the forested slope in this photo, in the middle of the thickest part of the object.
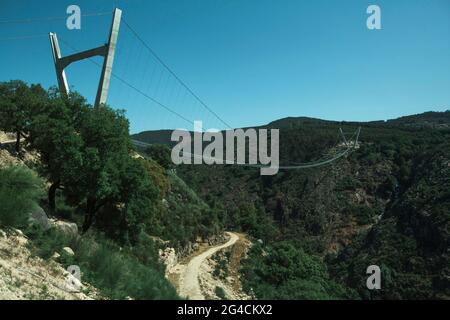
(387, 203)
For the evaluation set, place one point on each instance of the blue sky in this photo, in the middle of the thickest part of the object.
(251, 61)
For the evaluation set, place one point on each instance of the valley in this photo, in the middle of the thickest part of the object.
(228, 231)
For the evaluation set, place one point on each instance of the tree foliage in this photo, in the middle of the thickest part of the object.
(281, 271)
(18, 102)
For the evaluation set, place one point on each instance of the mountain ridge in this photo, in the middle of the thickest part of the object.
(428, 119)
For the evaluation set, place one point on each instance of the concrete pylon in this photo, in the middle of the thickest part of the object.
(107, 51)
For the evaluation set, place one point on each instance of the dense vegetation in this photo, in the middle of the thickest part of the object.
(118, 272)
(120, 201)
(387, 204)
(20, 191)
(282, 271)
(92, 170)
(315, 231)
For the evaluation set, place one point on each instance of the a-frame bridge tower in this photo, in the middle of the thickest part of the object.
(107, 51)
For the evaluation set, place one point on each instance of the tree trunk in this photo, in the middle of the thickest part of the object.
(52, 196)
(18, 142)
(89, 216)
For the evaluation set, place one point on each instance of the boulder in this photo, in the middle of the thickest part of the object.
(39, 217)
(18, 233)
(68, 228)
(69, 251)
(56, 256)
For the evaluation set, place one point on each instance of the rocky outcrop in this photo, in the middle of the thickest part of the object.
(168, 257)
(39, 217)
(192, 247)
(24, 276)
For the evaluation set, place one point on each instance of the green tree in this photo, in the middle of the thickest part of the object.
(98, 180)
(161, 154)
(282, 271)
(53, 132)
(17, 103)
(133, 209)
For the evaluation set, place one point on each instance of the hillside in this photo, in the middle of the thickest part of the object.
(387, 204)
(83, 195)
(431, 119)
(25, 276)
(157, 136)
(438, 120)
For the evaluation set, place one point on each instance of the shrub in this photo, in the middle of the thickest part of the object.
(116, 271)
(282, 271)
(20, 190)
(362, 213)
(220, 293)
(46, 243)
(119, 274)
(161, 154)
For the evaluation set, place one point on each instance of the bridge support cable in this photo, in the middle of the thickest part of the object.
(131, 86)
(178, 79)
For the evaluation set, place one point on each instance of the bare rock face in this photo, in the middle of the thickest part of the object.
(168, 257)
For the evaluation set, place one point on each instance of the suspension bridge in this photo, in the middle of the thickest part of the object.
(143, 78)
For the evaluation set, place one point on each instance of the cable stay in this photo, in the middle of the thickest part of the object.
(128, 84)
(46, 19)
(26, 37)
(166, 96)
(178, 79)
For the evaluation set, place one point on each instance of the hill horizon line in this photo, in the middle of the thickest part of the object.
(430, 118)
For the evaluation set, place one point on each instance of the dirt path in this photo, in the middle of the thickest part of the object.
(189, 285)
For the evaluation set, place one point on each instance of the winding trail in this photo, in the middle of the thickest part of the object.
(189, 285)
